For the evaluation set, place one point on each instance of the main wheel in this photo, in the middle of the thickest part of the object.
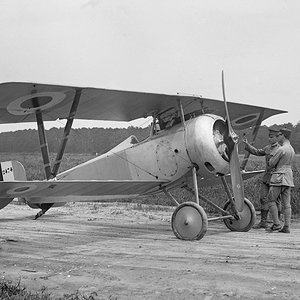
(247, 217)
(189, 221)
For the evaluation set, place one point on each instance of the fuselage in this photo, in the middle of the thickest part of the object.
(168, 154)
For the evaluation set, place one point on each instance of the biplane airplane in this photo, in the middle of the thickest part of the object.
(191, 143)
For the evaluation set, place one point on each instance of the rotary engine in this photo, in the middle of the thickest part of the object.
(206, 140)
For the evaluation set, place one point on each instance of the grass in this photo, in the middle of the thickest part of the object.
(33, 162)
(252, 185)
(217, 193)
(35, 171)
(14, 291)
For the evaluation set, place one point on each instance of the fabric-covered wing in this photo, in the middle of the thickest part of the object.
(62, 188)
(19, 101)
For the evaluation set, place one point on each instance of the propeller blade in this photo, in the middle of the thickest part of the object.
(231, 132)
(236, 179)
(235, 171)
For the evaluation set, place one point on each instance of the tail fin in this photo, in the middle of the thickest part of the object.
(11, 171)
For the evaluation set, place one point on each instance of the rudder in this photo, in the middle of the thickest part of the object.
(11, 171)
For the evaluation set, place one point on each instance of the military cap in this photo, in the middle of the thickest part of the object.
(286, 132)
(274, 129)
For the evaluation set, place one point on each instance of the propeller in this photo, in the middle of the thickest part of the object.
(235, 171)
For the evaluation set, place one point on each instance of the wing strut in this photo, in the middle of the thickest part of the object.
(44, 146)
(180, 108)
(67, 131)
(43, 139)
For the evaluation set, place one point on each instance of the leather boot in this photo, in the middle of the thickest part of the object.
(274, 213)
(285, 229)
(263, 220)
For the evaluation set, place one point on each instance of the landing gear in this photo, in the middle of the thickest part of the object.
(246, 217)
(189, 221)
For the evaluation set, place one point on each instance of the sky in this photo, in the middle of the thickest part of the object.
(158, 46)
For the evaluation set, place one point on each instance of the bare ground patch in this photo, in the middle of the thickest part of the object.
(128, 251)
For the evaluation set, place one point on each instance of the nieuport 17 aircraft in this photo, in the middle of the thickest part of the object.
(191, 143)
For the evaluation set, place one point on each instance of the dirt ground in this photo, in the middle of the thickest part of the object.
(127, 251)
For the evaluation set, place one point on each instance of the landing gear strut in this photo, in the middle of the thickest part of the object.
(190, 222)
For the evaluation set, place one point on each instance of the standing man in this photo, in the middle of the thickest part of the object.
(281, 181)
(268, 151)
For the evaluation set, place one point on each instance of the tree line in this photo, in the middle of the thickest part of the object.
(83, 140)
(262, 136)
(100, 140)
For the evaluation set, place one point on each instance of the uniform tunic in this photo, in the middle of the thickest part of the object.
(282, 176)
(268, 151)
(282, 162)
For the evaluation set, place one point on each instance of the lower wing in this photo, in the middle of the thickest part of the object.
(44, 191)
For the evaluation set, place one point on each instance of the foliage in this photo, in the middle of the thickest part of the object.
(14, 291)
(262, 136)
(252, 187)
(100, 140)
(35, 171)
(96, 141)
(217, 193)
(84, 140)
(33, 162)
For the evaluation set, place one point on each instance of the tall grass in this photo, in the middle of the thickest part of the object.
(35, 171)
(33, 162)
(14, 291)
(252, 185)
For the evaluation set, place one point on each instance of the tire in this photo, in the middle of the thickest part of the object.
(189, 221)
(247, 217)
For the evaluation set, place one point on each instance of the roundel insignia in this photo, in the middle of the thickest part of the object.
(29, 104)
(245, 120)
(21, 189)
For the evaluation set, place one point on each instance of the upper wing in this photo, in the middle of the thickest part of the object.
(64, 188)
(19, 101)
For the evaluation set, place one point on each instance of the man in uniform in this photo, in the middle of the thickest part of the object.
(267, 151)
(281, 181)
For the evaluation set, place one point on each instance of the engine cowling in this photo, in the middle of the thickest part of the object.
(205, 141)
